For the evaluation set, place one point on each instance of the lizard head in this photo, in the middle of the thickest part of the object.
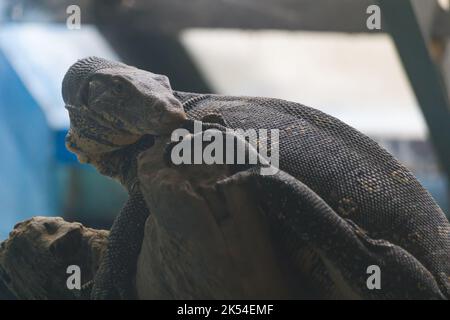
(112, 105)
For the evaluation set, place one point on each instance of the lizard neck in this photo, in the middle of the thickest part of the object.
(122, 164)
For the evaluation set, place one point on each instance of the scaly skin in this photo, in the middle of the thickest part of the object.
(333, 180)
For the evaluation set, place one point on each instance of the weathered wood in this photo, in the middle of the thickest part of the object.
(35, 257)
(206, 238)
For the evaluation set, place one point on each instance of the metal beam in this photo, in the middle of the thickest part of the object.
(171, 16)
(424, 74)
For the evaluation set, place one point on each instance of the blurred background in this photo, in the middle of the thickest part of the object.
(391, 83)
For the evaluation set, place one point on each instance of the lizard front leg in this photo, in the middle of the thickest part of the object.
(114, 278)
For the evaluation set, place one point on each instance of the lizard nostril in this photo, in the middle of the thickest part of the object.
(50, 227)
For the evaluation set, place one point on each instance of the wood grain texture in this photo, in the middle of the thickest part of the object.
(35, 257)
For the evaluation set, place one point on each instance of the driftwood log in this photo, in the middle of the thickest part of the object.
(224, 254)
(235, 258)
(35, 257)
(205, 239)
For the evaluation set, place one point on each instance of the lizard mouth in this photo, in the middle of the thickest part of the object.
(91, 134)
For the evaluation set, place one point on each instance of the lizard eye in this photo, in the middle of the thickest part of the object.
(118, 87)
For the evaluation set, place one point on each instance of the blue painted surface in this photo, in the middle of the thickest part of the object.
(61, 153)
(35, 177)
(26, 154)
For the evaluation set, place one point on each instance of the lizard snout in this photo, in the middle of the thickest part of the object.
(172, 119)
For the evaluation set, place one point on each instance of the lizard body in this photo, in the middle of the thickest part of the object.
(116, 110)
